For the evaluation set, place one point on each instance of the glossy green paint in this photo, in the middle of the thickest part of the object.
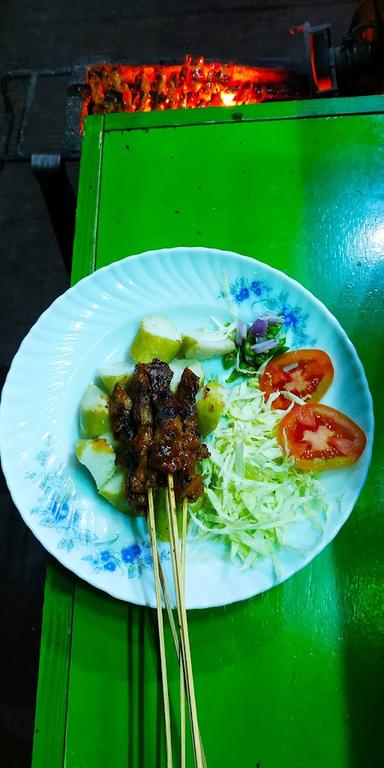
(55, 655)
(84, 249)
(290, 678)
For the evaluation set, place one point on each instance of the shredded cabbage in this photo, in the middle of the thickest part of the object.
(252, 491)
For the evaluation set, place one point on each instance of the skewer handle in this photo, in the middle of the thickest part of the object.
(182, 615)
(163, 660)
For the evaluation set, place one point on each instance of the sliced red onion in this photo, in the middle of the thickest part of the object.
(264, 346)
(272, 319)
(241, 333)
(259, 327)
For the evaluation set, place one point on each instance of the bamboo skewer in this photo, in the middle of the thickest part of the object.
(182, 616)
(175, 636)
(183, 556)
(185, 678)
(176, 640)
(163, 661)
(168, 606)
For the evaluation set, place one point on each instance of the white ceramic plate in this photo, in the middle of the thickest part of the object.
(93, 324)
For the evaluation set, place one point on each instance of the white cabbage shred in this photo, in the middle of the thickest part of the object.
(252, 491)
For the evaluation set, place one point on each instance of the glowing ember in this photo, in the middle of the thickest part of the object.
(195, 83)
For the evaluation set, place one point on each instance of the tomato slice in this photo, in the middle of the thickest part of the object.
(320, 437)
(304, 372)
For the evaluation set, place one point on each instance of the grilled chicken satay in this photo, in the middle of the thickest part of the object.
(167, 447)
(176, 445)
(141, 477)
(120, 413)
(157, 433)
(189, 484)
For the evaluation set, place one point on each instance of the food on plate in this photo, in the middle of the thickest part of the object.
(94, 412)
(253, 492)
(210, 406)
(157, 337)
(156, 432)
(319, 437)
(162, 525)
(248, 485)
(122, 373)
(256, 342)
(99, 458)
(117, 373)
(306, 373)
(178, 365)
(205, 343)
(114, 491)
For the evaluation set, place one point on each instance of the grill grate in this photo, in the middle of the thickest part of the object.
(19, 90)
(23, 125)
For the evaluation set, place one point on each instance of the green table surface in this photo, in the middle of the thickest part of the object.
(291, 678)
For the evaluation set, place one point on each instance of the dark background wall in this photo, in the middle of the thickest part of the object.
(43, 33)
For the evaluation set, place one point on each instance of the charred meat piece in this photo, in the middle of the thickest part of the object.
(157, 432)
(120, 409)
(141, 388)
(138, 501)
(176, 445)
(188, 483)
(167, 448)
(188, 486)
(142, 477)
(186, 398)
(159, 375)
(167, 453)
(142, 440)
(120, 413)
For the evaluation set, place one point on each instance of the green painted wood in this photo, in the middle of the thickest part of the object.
(56, 635)
(305, 196)
(99, 674)
(292, 677)
(274, 110)
(51, 702)
(84, 250)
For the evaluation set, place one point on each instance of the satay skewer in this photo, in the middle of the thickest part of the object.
(151, 426)
(175, 636)
(159, 610)
(182, 616)
(183, 557)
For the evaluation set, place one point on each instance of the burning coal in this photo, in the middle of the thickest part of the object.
(195, 83)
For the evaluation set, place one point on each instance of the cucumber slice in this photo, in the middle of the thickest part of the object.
(94, 412)
(156, 337)
(99, 458)
(210, 406)
(118, 373)
(203, 344)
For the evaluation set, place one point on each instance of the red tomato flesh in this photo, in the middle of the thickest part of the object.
(320, 437)
(306, 373)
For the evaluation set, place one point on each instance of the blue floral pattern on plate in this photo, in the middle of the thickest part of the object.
(58, 507)
(259, 296)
